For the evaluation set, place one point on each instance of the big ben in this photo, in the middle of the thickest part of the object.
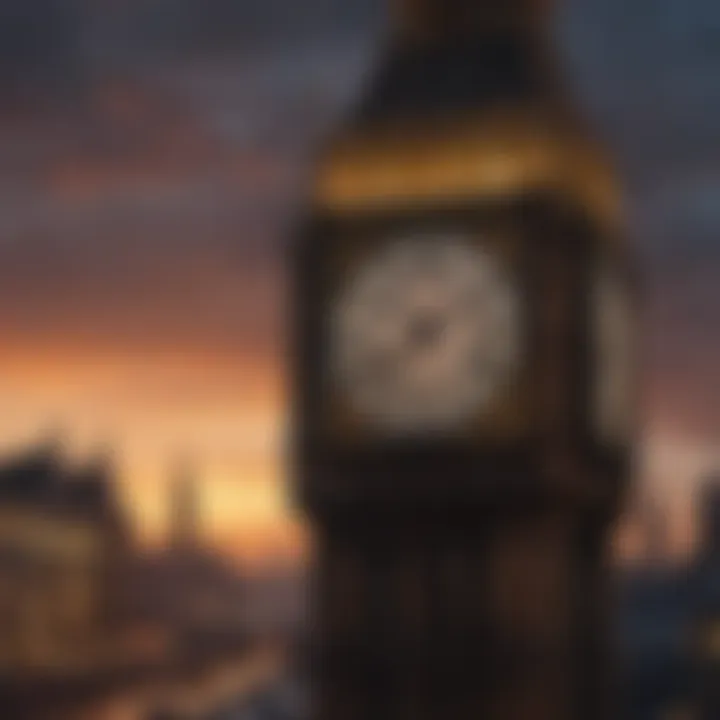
(464, 374)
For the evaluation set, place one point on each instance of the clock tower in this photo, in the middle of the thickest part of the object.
(463, 381)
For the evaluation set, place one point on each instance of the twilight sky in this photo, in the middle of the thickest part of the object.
(152, 156)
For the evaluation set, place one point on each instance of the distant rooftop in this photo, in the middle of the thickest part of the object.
(42, 478)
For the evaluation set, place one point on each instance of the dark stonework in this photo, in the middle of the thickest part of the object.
(490, 618)
(462, 576)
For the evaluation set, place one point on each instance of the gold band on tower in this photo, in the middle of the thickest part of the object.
(500, 154)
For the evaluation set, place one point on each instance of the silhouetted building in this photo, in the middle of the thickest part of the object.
(61, 542)
(187, 586)
(705, 634)
(185, 512)
(709, 518)
(669, 627)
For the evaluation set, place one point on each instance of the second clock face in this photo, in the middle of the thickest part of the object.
(425, 334)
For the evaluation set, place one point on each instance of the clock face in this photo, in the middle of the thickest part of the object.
(425, 334)
(613, 352)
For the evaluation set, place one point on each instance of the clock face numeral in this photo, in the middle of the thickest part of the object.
(425, 333)
(613, 332)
